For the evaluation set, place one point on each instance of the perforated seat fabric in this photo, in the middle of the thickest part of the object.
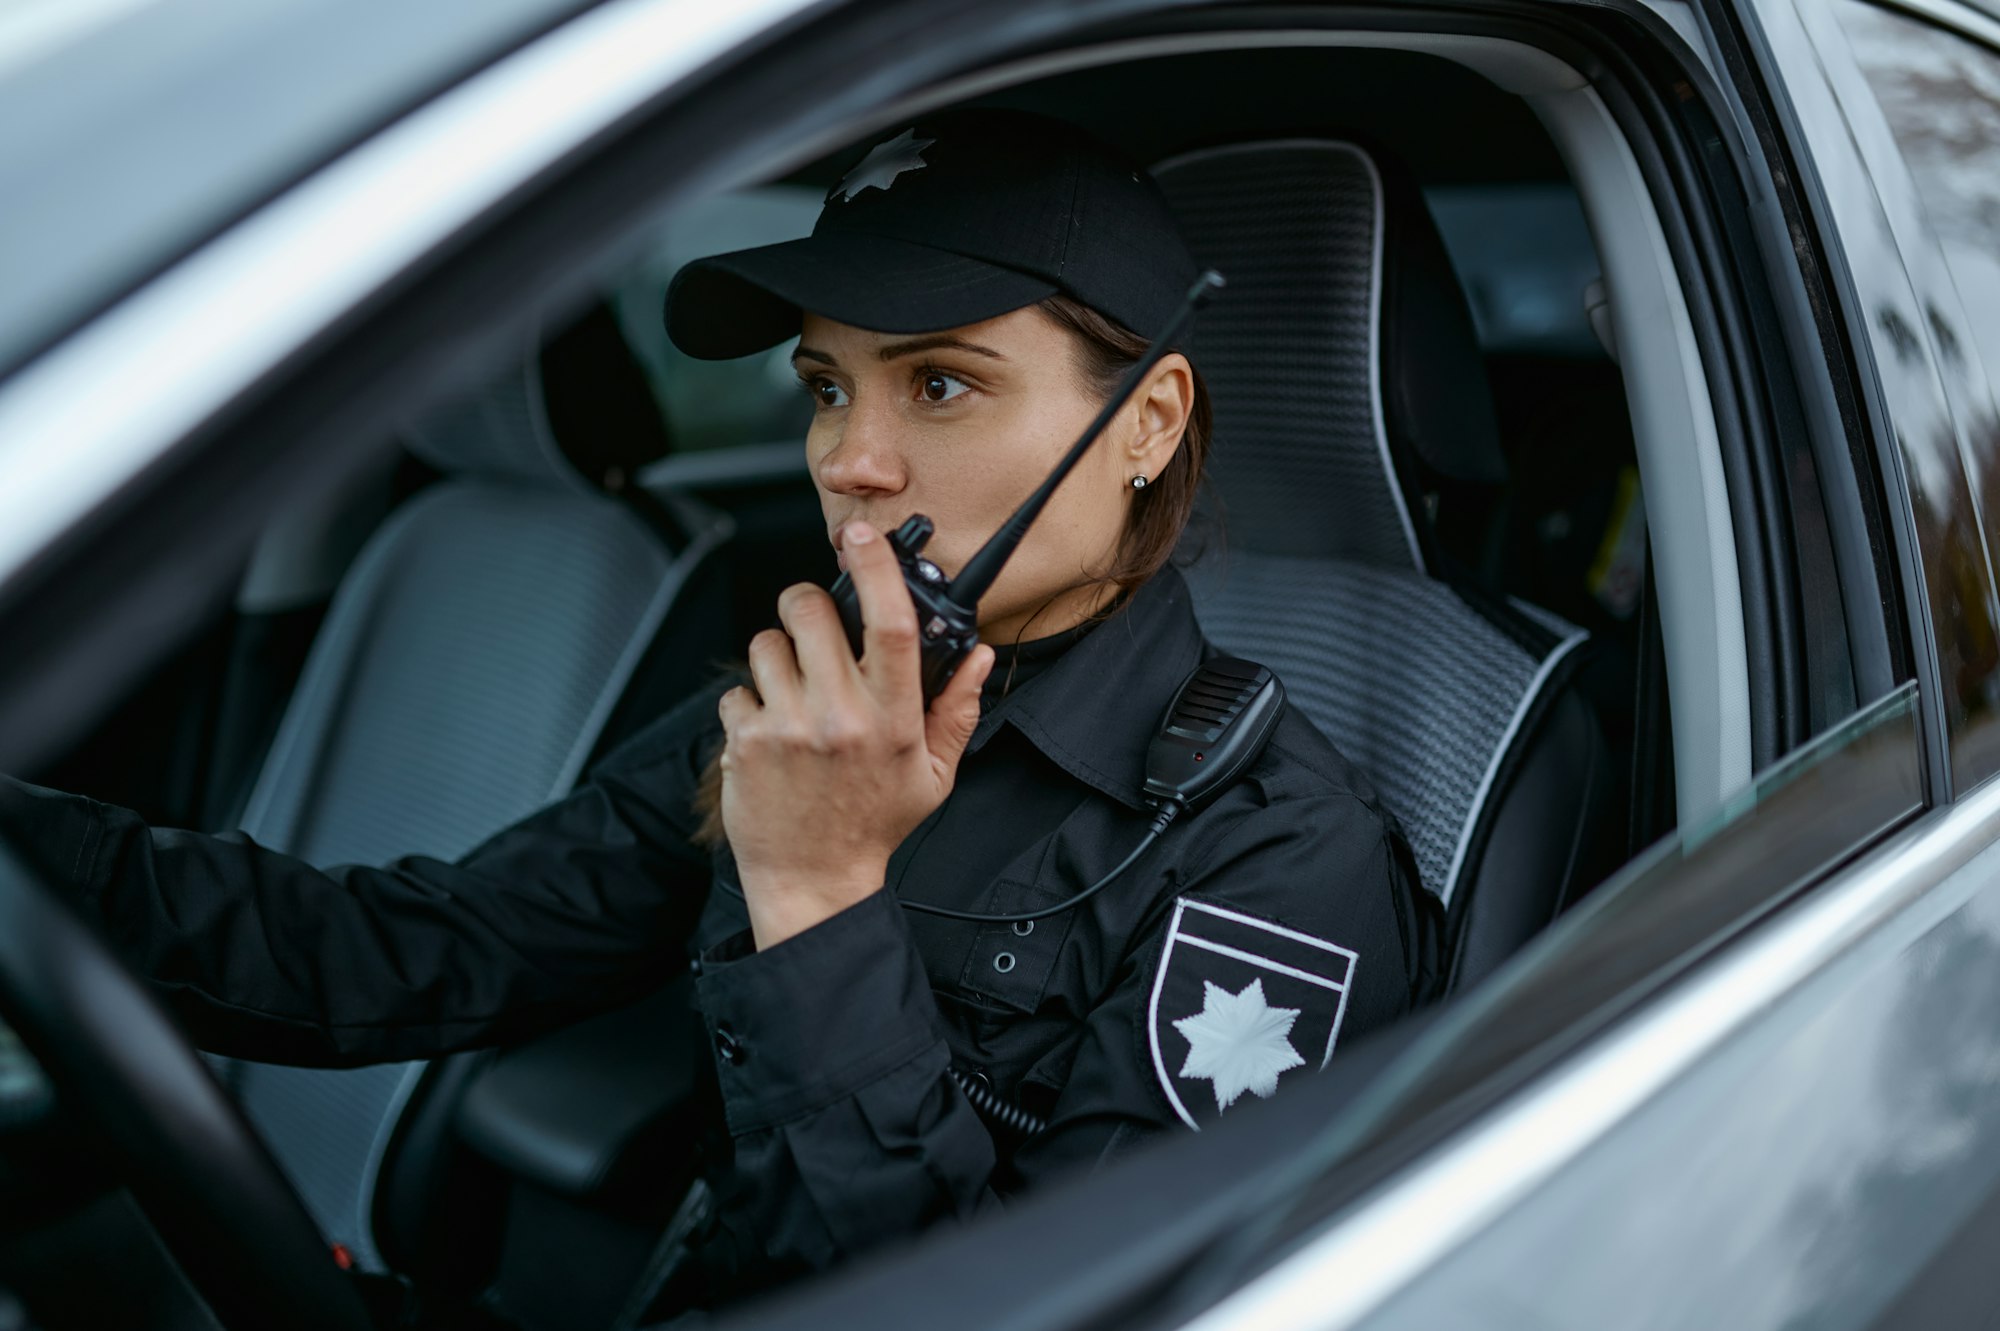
(1346, 380)
(467, 665)
(1290, 352)
(1394, 670)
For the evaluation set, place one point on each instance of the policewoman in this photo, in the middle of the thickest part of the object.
(975, 285)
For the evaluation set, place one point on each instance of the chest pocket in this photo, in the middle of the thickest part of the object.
(1012, 969)
(1011, 964)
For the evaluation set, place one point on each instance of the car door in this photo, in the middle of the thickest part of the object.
(1797, 1132)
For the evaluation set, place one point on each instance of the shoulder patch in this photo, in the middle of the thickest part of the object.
(1237, 1003)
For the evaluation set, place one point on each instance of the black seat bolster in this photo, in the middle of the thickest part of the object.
(1546, 838)
(599, 1108)
(436, 1212)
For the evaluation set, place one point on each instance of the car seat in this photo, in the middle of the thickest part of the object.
(463, 678)
(1350, 399)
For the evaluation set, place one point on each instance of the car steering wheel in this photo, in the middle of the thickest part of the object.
(214, 1194)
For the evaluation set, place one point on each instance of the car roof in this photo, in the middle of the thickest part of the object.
(135, 129)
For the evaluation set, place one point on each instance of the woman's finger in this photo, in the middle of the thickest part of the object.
(736, 706)
(889, 657)
(774, 667)
(825, 660)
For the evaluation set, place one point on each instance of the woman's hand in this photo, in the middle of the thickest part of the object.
(831, 762)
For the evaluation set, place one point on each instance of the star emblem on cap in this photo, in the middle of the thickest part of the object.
(884, 162)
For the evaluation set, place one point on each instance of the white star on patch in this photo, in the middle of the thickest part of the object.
(884, 162)
(1239, 1042)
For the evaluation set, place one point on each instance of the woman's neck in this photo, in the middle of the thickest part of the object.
(1065, 611)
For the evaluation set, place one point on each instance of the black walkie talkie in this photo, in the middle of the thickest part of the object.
(947, 608)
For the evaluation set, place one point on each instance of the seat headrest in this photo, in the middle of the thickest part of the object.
(1341, 359)
(574, 414)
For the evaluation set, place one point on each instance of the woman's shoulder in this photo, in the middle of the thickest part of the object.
(1303, 793)
(1304, 843)
(1301, 763)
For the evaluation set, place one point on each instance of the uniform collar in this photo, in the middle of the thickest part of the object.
(1093, 712)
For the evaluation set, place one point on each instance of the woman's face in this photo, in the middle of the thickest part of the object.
(961, 426)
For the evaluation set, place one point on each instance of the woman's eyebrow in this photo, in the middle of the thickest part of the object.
(893, 350)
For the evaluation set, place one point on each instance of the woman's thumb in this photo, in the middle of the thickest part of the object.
(954, 713)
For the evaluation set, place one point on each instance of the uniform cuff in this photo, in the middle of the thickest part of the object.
(58, 833)
(819, 1016)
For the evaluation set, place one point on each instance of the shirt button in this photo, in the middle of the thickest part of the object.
(728, 1048)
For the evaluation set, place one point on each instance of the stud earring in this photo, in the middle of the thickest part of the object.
(1138, 482)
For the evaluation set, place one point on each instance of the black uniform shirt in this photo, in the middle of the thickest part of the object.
(1236, 952)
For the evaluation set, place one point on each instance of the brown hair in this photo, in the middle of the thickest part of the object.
(1106, 349)
(1160, 511)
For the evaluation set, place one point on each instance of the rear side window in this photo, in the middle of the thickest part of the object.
(711, 404)
(1523, 253)
(1940, 93)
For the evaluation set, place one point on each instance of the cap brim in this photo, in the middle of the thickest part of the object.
(734, 304)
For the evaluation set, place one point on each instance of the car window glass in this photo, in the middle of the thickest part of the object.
(717, 404)
(1941, 96)
(1524, 255)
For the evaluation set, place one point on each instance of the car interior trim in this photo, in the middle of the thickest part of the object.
(1752, 396)
(183, 346)
(1384, 1243)
(1531, 698)
(378, 1149)
(1680, 459)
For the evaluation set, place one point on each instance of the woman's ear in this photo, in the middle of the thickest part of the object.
(1165, 400)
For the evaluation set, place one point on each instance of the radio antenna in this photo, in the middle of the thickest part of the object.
(981, 570)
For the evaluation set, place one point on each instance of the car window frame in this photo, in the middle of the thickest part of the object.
(171, 166)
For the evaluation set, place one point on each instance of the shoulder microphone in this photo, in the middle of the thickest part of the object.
(948, 608)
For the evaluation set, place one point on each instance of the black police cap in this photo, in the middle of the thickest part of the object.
(960, 217)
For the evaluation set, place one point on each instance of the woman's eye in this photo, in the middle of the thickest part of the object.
(939, 387)
(824, 392)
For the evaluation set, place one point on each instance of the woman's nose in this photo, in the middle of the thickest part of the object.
(865, 459)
